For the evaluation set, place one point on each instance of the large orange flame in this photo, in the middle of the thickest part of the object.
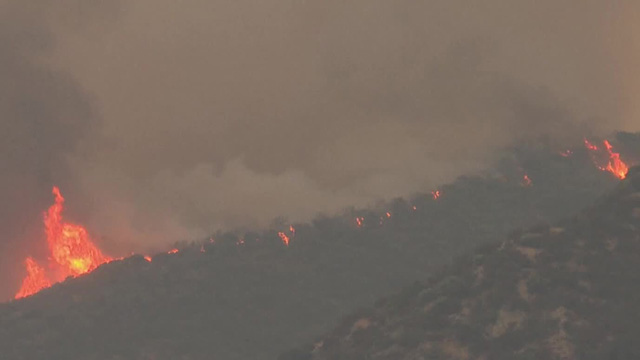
(72, 252)
(35, 281)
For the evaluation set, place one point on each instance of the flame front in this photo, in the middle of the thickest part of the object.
(72, 252)
(35, 281)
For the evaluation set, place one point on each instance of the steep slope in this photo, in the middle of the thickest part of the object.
(564, 292)
(248, 296)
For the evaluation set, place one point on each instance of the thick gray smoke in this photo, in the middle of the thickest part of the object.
(44, 113)
(218, 114)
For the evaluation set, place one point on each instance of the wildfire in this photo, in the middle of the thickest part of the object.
(148, 258)
(566, 153)
(70, 245)
(35, 281)
(284, 237)
(173, 251)
(526, 181)
(590, 146)
(436, 194)
(359, 221)
(72, 252)
(615, 165)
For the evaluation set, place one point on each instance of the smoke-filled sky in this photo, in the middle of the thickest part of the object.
(165, 120)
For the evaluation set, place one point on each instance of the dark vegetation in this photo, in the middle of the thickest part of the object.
(247, 296)
(564, 292)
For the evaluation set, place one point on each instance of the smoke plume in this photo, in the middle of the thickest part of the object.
(164, 120)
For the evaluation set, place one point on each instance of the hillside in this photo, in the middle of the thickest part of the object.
(564, 292)
(247, 296)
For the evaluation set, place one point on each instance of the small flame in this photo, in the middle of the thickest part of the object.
(414, 208)
(566, 153)
(590, 146)
(359, 221)
(526, 181)
(173, 251)
(284, 237)
(148, 258)
(388, 214)
(293, 230)
(614, 165)
(436, 194)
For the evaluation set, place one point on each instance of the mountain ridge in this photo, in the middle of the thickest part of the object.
(248, 296)
(554, 292)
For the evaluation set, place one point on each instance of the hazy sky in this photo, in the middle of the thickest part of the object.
(163, 120)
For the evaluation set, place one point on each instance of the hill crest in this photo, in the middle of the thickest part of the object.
(563, 292)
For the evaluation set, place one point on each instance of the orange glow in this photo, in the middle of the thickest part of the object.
(388, 214)
(173, 251)
(526, 181)
(284, 237)
(72, 251)
(415, 208)
(293, 230)
(35, 281)
(436, 194)
(148, 258)
(359, 221)
(614, 165)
